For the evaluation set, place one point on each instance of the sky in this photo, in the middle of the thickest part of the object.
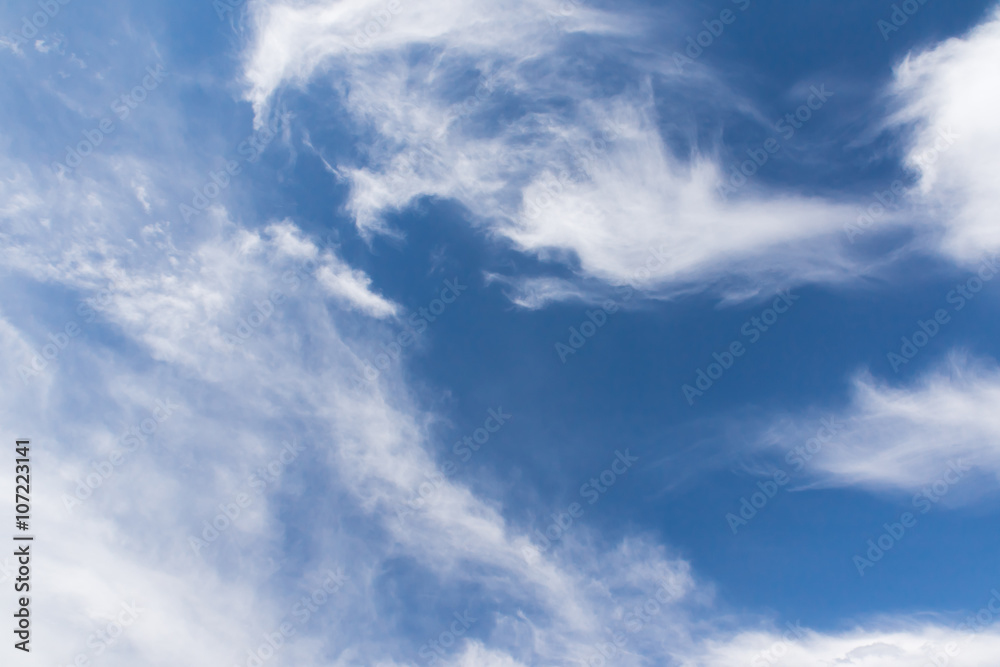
(515, 333)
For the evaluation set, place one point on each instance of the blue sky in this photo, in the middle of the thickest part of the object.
(265, 329)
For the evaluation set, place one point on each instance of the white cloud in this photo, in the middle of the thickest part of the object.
(949, 93)
(576, 174)
(538, 180)
(901, 644)
(294, 41)
(175, 317)
(170, 327)
(236, 403)
(906, 437)
(537, 292)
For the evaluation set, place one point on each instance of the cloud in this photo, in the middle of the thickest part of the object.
(574, 173)
(253, 336)
(236, 403)
(350, 286)
(906, 437)
(902, 643)
(172, 311)
(537, 292)
(947, 94)
(294, 41)
(229, 326)
(192, 315)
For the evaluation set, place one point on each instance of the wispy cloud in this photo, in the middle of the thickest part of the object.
(903, 436)
(590, 182)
